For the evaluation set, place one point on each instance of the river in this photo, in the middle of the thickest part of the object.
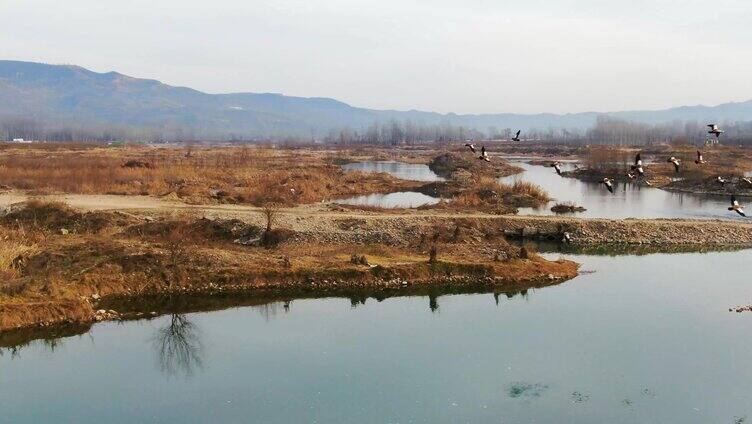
(628, 201)
(633, 339)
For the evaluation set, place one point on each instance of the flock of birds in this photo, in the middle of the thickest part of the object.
(637, 172)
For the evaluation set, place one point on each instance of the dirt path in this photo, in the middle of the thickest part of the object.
(321, 223)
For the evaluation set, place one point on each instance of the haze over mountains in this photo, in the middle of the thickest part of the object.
(64, 95)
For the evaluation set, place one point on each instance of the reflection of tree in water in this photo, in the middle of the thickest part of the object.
(433, 302)
(271, 309)
(178, 346)
(525, 294)
(14, 351)
(356, 300)
(48, 342)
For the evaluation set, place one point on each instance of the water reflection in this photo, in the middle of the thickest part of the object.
(271, 309)
(48, 340)
(178, 346)
(402, 199)
(628, 200)
(401, 170)
(611, 346)
(48, 345)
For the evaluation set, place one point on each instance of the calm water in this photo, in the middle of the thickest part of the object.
(643, 339)
(401, 199)
(405, 171)
(628, 200)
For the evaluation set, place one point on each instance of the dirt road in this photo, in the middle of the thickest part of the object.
(320, 222)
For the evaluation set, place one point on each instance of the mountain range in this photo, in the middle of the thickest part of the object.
(66, 93)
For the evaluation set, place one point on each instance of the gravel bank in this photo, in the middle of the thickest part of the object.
(406, 228)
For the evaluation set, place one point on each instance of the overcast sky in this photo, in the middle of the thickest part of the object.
(470, 56)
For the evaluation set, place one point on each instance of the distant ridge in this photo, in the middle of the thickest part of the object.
(72, 94)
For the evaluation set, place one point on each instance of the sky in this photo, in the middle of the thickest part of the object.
(471, 56)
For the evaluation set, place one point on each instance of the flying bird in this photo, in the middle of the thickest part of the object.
(699, 159)
(557, 167)
(638, 166)
(721, 180)
(675, 161)
(714, 130)
(471, 146)
(484, 155)
(736, 207)
(608, 182)
(517, 137)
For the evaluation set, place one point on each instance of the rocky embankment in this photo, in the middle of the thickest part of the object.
(402, 229)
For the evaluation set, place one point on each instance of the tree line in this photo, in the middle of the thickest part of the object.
(606, 130)
(619, 132)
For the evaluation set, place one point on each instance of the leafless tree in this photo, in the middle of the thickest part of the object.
(175, 244)
(271, 212)
(178, 346)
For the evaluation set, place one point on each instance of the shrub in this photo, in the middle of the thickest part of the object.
(276, 237)
(567, 207)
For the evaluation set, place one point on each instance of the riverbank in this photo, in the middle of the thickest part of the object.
(332, 223)
(59, 264)
(152, 306)
(729, 163)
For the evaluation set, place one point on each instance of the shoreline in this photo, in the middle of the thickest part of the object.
(127, 255)
(324, 222)
(212, 297)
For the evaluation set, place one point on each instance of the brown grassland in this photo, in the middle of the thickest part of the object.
(58, 264)
(236, 222)
(242, 175)
(52, 278)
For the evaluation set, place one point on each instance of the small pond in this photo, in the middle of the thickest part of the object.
(401, 170)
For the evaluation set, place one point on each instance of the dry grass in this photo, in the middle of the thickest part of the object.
(37, 218)
(17, 315)
(488, 193)
(615, 162)
(185, 254)
(609, 158)
(212, 175)
(15, 244)
(530, 190)
(9, 251)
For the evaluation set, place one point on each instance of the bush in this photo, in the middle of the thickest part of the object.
(356, 259)
(275, 237)
(567, 207)
(54, 216)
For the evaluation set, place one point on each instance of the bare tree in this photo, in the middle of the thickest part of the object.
(178, 346)
(175, 243)
(270, 211)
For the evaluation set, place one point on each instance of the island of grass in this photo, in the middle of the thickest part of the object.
(60, 266)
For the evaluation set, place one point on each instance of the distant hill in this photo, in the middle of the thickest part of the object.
(64, 93)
